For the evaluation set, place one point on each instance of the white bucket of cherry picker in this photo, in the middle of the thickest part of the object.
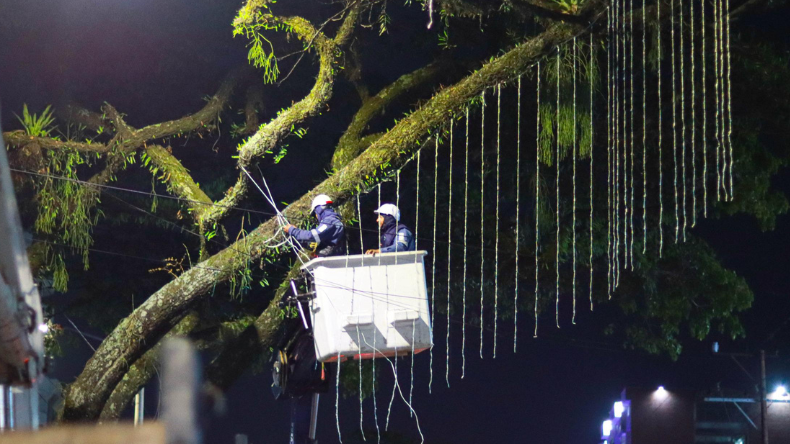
(369, 306)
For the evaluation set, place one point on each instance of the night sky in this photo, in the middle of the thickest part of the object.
(155, 61)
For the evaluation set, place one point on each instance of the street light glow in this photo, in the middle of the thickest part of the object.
(618, 409)
(661, 389)
(606, 428)
(43, 328)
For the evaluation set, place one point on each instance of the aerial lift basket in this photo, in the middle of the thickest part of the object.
(369, 306)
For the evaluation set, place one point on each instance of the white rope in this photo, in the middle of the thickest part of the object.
(408, 403)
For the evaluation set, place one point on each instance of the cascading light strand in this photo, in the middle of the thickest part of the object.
(591, 78)
(449, 254)
(609, 141)
(557, 165)
(660, 137)
(683, 119)
(631, 123)
(537, 199)
(573, 149)
(693, 118)
(728, 59)
(704, 113)
(482, 211)
(644, 129)
(496, 231)
(466, 220)
(674, 121)
(433, 255)
(518, 210)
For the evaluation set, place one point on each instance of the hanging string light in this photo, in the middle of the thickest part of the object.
(693, 119)
(373, 387)
(704, 114)
(557, 164)
(394, 387)
(644, 129)
(660, 138)
(729, 91)
(411, 378)
(723, 101)
(609, 142)
(337, 399)
(433, 256)
(683, 118)
(573, 148)
(482, 210)
(496, 236)
(720, 159)
(618, 136)
(466, 220)
(674, 121)
(624, 132)
(537, 198)
(518, 207)
(449, 256)
(630, 252)
(359, 352)
(591, 77)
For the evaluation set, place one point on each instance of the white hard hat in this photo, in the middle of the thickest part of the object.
(321, 199)
(390, 209)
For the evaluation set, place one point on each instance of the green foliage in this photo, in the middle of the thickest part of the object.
(261, 51)
(66, 212)
(569, 6)
(37, 125)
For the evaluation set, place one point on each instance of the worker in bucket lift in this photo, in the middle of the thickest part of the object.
(394, 235)
(329, 237)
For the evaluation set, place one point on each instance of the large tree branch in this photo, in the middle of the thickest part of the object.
(349, 146)
(271, 134)
(159, 312)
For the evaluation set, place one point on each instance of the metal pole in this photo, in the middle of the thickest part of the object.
(763, 403)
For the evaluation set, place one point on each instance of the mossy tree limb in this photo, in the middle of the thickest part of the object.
(349, 146)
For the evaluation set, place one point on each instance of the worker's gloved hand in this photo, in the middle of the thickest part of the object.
(373, 251)
(287, 227)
